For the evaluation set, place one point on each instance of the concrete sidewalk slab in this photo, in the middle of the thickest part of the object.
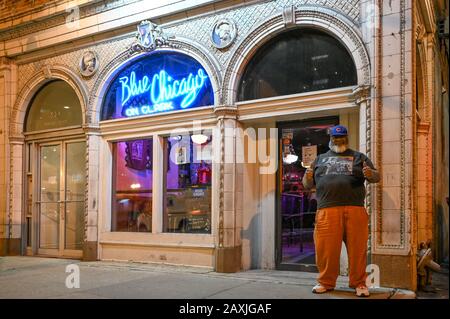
(34, 277)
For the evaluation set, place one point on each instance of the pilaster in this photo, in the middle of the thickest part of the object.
(90, 248)
(393, 221)
(228, 251)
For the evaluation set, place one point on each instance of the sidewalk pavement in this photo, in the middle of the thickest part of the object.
(34, 277)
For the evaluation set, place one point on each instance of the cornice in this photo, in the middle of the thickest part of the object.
(224, 111)
(361, 93)
(60, 18)
(297, 103)
(158, 122)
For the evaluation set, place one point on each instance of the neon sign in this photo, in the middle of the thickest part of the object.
(158, 83)
(163, 88)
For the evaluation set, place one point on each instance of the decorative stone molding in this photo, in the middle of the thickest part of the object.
(289, 16)
(223, 33)
(361, 93)
(61, 18)
(224, 111)
(248, 17)
(221, 183)
(195, 31)
(318, 17)
(149, 37)
(47, 72)
(404, 244)
(348, 7)
(92, 129)
(423, 127)
(5, 62)
(404, 238)
(37, 80)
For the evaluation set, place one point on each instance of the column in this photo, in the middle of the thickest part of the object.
(230, 203)
(392, 234)
(90, 247)
(11, 148)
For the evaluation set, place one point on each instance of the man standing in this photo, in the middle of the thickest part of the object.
(339, 177)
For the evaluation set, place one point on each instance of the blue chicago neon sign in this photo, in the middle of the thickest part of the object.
(158, 83)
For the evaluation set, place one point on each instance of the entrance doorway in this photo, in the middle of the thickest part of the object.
(60, 198)
(55, 170)
(300, 143)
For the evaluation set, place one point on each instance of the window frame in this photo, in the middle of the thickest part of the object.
(166, 154)
(106, 163)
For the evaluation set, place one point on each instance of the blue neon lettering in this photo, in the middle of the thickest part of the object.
(163, 89)
(133, 88)
(149, 109)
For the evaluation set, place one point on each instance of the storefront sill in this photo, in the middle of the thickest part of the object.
(326, 100)
(158, 121)
(306, 96)
(161, 245)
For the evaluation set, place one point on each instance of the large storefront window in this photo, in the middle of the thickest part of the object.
(297, 61)
(158, 82)
(132, 186)
(188, 183)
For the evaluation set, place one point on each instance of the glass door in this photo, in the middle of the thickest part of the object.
(60, 205)
(49, 203)
(300, 143)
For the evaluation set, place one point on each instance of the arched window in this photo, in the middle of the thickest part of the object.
(158, 82)
(301, 60)
(55, 105)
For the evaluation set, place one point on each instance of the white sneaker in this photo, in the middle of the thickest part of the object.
(362, 291)
(319, 289)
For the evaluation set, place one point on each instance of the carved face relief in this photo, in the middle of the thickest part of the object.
(88, 63)
(223, 33)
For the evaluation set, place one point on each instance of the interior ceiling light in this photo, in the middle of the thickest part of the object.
(290, 158)
(199, 138)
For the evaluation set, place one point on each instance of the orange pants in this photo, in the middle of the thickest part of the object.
(334, 225)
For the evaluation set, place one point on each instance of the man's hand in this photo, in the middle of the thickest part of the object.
(309, 173)
(367, 171)
(308, 180)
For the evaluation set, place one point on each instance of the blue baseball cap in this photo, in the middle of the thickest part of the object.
(338, 130)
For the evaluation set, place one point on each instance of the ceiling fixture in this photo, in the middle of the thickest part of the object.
(290, 156)
(199, 138)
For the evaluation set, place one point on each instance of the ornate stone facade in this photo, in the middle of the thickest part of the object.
(379, 35)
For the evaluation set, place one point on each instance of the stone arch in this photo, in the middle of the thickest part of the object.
(179, 44)
(37, 81)
(324, 19)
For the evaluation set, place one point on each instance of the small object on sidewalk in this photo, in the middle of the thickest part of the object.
(425, 266)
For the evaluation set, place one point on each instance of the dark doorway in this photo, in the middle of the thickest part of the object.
(299, 144)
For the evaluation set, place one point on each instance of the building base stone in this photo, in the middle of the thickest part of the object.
(10, 247)
(228, 259)
(396, 271)
(90, 251)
